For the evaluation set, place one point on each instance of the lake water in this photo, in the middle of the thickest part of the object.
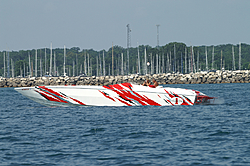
(32, 134)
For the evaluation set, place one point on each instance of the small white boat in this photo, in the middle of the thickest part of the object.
(124, 94)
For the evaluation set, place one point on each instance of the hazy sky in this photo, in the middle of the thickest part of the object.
(34, 24)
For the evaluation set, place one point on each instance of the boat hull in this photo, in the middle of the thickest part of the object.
(124, 94)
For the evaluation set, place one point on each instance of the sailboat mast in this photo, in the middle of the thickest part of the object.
(104, 72)
(213, 58)
(193, 59)
(185, 59)
(55, 73)
(139, 67)
(21, 73)
(174, 59)
(233, 57)
(45, 67)
(221, 60)
(109, 69)
(64, 55)
(181, 64)
(81, 69)
(206, 58)
(40, 64)
(145, 63)
(198, 56)
(12, 68)
(85, 62)
(29, 65)
(163, 63)
(50, 67)
(77, 65)
(122, 72)
(156, 70)
(152, 64)
(159, 64)
(36, 64)
(97, 66)
(112, 59)
(4, 65)
(88, 66)
(100, 61)
(239, 56)
(73, 68)
(170, 62)
(23, 69)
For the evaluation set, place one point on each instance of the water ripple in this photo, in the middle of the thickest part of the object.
(31, 134)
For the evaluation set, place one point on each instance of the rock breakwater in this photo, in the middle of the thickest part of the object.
(242, 76)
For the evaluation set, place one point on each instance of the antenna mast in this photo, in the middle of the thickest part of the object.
(158, 35)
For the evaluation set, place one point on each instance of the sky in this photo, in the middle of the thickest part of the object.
(96, 24)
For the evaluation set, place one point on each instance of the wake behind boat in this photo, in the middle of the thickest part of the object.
(124, 94)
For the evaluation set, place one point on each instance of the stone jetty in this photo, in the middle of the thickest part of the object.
(216, 77)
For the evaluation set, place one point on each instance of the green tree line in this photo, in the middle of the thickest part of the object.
(167, 58)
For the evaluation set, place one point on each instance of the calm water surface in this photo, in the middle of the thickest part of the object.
(32, 134)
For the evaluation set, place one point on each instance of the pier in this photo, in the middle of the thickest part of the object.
(216, 77)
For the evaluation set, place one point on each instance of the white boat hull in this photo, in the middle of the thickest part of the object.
(124, 94)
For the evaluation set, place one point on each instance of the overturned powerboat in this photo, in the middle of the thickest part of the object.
(124, 94)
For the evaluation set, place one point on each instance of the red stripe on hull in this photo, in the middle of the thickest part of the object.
(127, 95)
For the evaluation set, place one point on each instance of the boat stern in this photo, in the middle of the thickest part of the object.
(202, 99)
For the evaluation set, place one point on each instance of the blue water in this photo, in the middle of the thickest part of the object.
(32, 134)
